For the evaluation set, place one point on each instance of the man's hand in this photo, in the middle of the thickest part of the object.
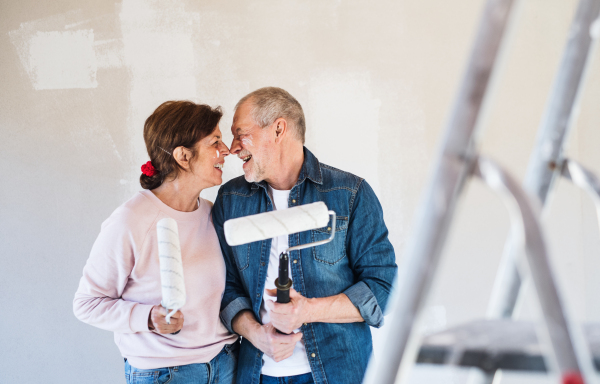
(157, 320)
(274, 344)
(289, 316)
(265, 337)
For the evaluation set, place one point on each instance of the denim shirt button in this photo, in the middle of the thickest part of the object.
(258, 295)
(305, 324)
(312, 355)
(262, 263)
(295, 261)
(293, 201)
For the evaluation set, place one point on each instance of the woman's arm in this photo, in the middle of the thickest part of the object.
(98, 299)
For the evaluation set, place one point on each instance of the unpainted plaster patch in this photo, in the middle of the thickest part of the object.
(109, 53)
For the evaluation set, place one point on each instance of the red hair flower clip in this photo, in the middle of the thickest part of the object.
(148, 169)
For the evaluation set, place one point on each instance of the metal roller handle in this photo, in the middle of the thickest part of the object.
(320, 242)
(168, 317)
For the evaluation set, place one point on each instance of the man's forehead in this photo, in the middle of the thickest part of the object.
(242, 123)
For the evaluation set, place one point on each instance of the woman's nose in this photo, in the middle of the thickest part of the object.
(223, 149)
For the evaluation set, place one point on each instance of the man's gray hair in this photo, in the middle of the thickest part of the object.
(271, 103)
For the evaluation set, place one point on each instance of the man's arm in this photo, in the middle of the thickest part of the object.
(371, 257)
(235, 298)
(300, 310)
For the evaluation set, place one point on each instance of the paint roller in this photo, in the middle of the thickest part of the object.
(171, 267)
(268, 225)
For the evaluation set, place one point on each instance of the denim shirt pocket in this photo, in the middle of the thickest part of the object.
(334, 251)
(242, 256)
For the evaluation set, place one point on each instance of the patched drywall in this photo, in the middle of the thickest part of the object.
(376, 81)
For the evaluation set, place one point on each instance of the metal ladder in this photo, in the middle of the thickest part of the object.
(458, 160)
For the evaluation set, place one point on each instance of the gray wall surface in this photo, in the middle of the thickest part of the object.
(376, 80)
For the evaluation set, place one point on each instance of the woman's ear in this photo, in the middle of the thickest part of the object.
(182, 156)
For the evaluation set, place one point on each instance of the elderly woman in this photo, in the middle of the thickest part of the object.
(120, 290)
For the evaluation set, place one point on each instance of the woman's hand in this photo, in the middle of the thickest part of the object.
(157, 321)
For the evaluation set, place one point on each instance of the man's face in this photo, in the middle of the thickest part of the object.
(252, 144)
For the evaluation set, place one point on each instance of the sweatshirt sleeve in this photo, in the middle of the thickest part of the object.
(98, 299)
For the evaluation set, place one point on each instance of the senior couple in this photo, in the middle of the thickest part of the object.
(339, 289)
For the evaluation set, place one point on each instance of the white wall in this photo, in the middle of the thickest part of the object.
(376, 80)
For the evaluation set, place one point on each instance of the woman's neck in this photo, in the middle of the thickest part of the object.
(178, 195)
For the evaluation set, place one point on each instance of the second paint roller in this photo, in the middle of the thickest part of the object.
(171, 267)
(268, 225)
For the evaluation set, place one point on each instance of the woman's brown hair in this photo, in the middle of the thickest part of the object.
(174, 124)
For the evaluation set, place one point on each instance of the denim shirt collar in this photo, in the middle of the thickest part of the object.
(311, 168)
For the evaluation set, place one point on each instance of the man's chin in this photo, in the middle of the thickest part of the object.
(249, 176)
(252, 177)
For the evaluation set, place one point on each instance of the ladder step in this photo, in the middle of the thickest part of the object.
(496, 344)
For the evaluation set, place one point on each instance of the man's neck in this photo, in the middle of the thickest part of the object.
(291, 165)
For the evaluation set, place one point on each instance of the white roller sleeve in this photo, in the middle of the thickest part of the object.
(268, 225)
(171, 267)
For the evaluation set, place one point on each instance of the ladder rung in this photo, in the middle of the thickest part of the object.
(496, 344)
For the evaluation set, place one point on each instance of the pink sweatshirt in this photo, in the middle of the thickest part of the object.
(121, 283)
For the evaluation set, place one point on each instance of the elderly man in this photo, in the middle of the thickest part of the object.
(339, 289)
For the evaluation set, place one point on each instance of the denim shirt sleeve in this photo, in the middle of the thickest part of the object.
(371, 256)
(234, 298)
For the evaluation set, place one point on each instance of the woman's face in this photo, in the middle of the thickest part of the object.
(209, 160)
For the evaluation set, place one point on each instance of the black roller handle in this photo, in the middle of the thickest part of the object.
(283, 282)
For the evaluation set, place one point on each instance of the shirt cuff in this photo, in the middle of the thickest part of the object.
(232, 309)
(363, 298)
(138, 321)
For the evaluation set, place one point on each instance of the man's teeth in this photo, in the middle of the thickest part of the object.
(219, 165)
(244, 159)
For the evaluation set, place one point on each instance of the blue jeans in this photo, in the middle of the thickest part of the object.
(220, 370)
(299, 379)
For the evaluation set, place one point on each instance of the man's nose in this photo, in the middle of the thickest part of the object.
(235, 147)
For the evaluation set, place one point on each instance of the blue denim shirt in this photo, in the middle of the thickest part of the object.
(359, 262)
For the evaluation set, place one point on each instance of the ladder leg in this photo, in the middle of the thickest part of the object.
(550, 141)
(452, 167)
(555, 318)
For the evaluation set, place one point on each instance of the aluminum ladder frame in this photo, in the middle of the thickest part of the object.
(457, 160)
